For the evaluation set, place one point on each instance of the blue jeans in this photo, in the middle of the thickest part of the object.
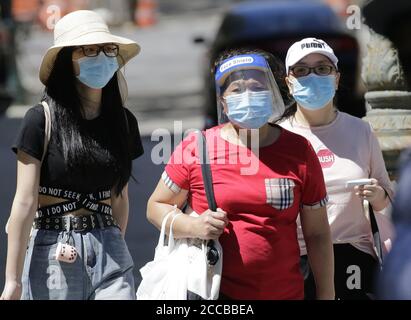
(103, 269)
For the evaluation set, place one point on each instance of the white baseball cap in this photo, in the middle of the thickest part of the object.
(304, 47)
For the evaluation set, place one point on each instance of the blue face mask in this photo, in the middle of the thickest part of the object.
(250, 110)
(313, 92)
(96, 72)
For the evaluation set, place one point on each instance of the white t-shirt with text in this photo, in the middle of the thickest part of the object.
(347, 149)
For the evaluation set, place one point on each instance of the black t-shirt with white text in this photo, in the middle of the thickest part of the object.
(99, 174)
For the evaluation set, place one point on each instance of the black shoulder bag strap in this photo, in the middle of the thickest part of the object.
(212, 253)
(376, 232)
(206, 171)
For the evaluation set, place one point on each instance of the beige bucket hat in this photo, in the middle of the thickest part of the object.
(85, 27)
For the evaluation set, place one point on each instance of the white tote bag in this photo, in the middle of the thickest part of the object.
(203, 278)
(180, 269)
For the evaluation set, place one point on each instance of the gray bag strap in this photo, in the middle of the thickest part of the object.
(47, 127)
(376, 232)
(376, 235)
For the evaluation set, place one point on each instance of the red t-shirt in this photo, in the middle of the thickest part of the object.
(260, 249)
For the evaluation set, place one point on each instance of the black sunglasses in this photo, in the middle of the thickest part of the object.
(321, 70)
(110, 50)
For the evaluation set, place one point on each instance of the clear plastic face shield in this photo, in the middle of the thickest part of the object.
(247, 93)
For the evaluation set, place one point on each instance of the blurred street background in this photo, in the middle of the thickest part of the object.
(166, 82)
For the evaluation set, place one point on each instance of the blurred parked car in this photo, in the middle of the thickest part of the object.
(6, 52)
(274, 26)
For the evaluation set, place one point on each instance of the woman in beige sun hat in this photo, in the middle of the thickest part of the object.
(74, 158)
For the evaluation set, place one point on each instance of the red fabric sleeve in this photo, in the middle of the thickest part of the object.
(178, 167)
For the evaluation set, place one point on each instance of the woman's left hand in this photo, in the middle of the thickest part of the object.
(371, 192)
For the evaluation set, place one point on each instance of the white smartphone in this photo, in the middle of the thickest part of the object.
(357, 182)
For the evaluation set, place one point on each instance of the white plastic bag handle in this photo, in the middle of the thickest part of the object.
(170, 243)
(163, 228)
(171, 235)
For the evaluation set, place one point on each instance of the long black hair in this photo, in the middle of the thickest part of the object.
(63, 97)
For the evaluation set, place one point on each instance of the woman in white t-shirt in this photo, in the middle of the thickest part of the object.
(347, 149)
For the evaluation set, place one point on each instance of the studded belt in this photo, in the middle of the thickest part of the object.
(76, 223)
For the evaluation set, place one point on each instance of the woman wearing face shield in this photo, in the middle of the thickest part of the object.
(348, 150)
(73, 184)
(259, 200)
